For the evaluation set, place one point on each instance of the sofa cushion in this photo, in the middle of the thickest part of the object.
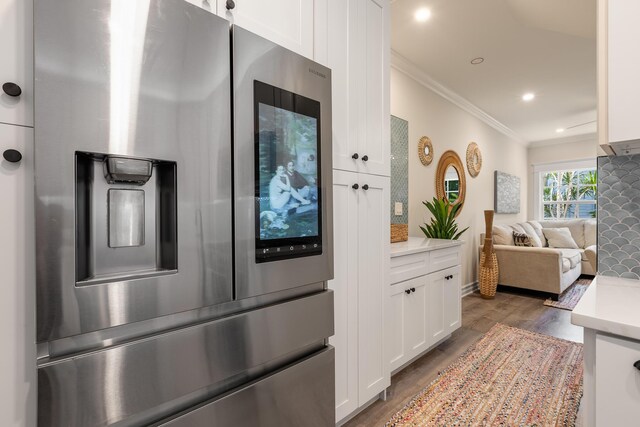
(566, 265)
(590, 232)
(522, 239)
(538, 229)
(531, 232)
(575, 226)
(503, 235)
(560, 238)
(574, 256)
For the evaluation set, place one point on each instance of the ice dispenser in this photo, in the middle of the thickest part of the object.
(125, 218)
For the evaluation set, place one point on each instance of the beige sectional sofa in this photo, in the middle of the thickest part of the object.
(544, 268)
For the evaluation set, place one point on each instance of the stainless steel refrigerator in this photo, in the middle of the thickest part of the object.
(183, 220)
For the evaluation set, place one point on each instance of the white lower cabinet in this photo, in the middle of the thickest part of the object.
(617, 381)
(361, 271)
(424, 305)
(17, 305)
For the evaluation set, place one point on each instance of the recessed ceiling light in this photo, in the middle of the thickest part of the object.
(422, 14)
(528, 96)
(560, 130)
(478, 60)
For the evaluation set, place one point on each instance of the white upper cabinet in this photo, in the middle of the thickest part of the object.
(16, 62)
(210, 5)
(618, 82)
(288, 23)
(356, 44)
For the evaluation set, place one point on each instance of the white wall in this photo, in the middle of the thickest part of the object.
(580, 149)
(451, 128)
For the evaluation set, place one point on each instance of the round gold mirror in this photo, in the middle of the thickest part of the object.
(425, 150)
(450, 179)
(474, 159)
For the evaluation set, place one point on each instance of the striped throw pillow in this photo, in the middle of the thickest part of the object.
(521, 239)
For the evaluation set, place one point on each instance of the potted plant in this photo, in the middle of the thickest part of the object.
(443, 224)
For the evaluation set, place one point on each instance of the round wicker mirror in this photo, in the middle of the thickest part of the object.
(450, 179)
(425, 150)
(474, 159)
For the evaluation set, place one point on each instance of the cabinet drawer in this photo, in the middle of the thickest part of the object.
(409, 266)
(617, 381)
(444, 258)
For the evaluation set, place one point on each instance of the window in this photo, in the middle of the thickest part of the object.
(568, 193)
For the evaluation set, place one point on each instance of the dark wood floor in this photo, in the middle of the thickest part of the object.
(510, 307)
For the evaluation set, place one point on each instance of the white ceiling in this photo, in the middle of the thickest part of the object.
(547, 47)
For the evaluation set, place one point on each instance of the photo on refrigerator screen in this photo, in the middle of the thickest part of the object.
(288, 174)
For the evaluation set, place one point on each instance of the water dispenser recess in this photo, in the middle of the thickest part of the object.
(126, 221)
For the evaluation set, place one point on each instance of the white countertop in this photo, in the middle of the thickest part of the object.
(612, 305)
(419, 244)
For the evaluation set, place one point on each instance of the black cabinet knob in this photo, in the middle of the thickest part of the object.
(407, 291)
(355, 186)
(230, 4)
(355, 156)
(365, 187)
(11, 89)
(637, 365)
(11, 155)
(413, 289)
(365, 158)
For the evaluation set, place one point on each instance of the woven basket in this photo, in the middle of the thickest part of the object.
(399, 233)
(488, 276)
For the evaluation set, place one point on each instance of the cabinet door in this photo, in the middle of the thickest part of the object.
(436, 306)
(373, 79)
(623, 70)
(17, 305)
(345, 288)
(16, 61)
(357, 51)
(396, 325)
(617, 381)
(373, 278)
(453, 302)
(288, 23)
(415, 324)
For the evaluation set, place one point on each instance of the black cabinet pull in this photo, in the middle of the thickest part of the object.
(365, 187)
(230, 4)
(365, 158)
(11, 89)
(637, 365)
(413, 289)
(355, 156)
(407, 291)
(355, 186)
(11, 155)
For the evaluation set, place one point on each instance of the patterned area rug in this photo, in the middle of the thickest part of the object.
(571, 295)
(510, 377)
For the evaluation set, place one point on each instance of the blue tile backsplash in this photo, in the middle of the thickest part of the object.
(619, 216)
(399, 169)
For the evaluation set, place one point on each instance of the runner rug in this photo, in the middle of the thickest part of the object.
(569, 298)
(510, 377)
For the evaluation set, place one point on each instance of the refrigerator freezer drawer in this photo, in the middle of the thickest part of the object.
(300, 395)
(152, 378)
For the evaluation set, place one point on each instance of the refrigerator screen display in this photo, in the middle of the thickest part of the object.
(287, 136)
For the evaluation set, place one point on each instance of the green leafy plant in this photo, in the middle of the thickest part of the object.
(443, 224)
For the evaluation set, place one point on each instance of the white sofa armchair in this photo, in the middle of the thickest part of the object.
(544, 268)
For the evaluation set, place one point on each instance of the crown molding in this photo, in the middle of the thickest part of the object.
(585, 137)
(407, 67)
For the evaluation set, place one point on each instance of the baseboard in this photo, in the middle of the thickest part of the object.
(469, 288)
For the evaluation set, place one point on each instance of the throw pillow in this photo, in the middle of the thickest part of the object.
(502, 235)
(521, 239)
(559, 238)
(538, 229)
(531, 232)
